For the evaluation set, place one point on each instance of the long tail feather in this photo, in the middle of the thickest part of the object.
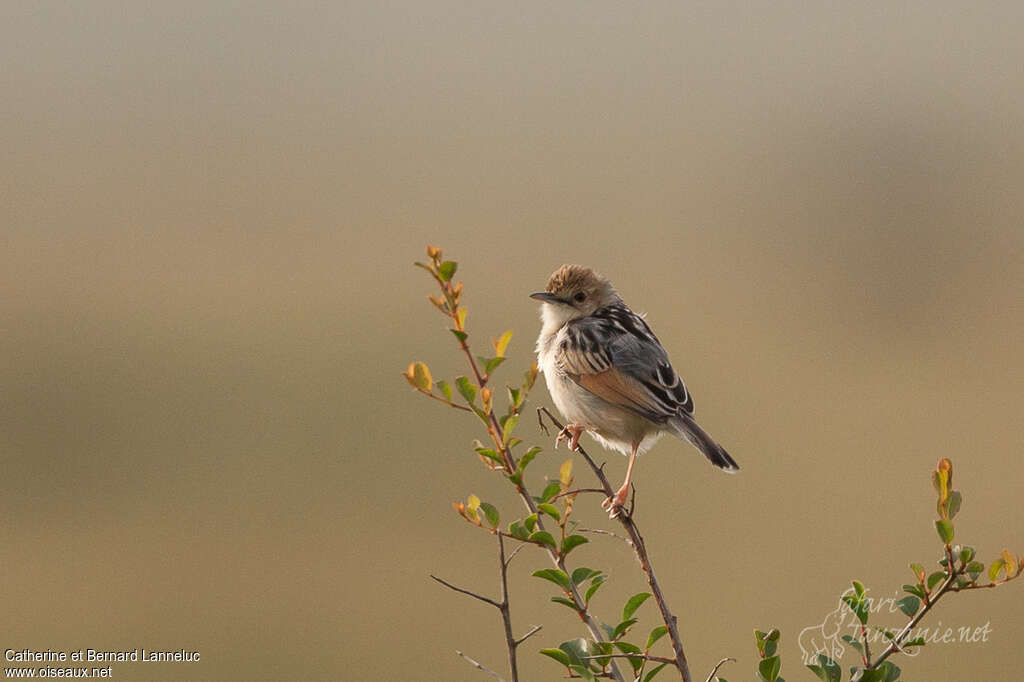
(687, 429)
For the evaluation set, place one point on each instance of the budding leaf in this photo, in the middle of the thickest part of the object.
(446, 270)
(501, 343)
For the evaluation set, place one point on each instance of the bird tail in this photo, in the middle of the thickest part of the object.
(684, 427)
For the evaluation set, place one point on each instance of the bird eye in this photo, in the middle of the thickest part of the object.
(579, 298)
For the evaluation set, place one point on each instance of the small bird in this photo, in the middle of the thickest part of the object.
(609, 375)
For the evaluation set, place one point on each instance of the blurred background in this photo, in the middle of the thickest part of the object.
(207, 299)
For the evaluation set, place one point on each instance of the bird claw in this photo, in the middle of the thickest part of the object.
(615, 504)
(571, 433)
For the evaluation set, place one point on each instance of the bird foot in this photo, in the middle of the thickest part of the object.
(571, 433)
(616, 503)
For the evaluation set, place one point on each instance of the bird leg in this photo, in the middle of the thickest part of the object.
(614, 504)
(571, 433)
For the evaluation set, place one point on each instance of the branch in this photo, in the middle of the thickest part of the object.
(641, 553)
(714, 671)
(480, 667)
(467, 592)
(529, 634)
(645, 657)
(897, 641)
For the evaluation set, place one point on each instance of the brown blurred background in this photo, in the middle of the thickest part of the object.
(206, 299)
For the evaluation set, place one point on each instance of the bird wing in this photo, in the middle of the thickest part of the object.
(614, 355)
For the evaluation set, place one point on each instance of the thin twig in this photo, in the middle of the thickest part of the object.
(601, 531)
(480, 667)
(641, 553)
(442, 400)
(510, 557)
(897, 641)
(467, 592)
(645, 657)
(714, 671)
(532, 632)
(576, 491)
(506, 616)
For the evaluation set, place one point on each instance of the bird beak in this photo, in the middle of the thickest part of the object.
(546, 297)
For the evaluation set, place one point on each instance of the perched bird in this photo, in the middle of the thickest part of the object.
(609, 375)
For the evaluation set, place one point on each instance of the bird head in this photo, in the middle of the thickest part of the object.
(573, 292)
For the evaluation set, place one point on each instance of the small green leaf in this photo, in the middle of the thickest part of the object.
(550, 490)
(622, 627)
(467, 389)
(635, 662)
(489, 453)
(827, 670)
(633, 603)
(852, 641)
(936, 578)
(446, 270)
(527, 457)
(914, 590)
(577, 649)
(994, 568)
(916, 641)
(501, 343)
(909, 605)
(917, 569)
(572, 542)
(551, 510)
(656, 634)
(445, 389)
(461, 336)
(594, 585)
(654, 671)
(890, 670)
(858, 606)
(517, 530)
(953, 503)
(966, 554)
(510, 423)
(565, 602)
(530, 522)
(769, 668)
(558, 655)
(858, 588)
(583, 672)
(945, 529)
(543, 537)
(582, 574)
(493, 364)
(491, 513)
(974, 569)
(555, 576)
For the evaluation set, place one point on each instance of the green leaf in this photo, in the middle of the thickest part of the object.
(858, 588)
(543, 537)
(517, 530)
(446, 270)
(914, 590)
(852, 641)
(827, 670)
(974, 569)
(461, 336)
(769, 668)
(582, 672)
(467, 389)
(510, 423)
(953, 503)
(654, 671)
(577, 649)
(603, 649)
(916, 569)
(909, 605)
(550, 490)
(491, 513)
(858, 606)
(994, 568)
(627, 648)
(527, 457)
(936, 578)
(530, 522)
(419, 376)
(622, 627)
(490, 454)
(445, 389)
(594, 585)
(558, 655)
(565, 602)
(492, 364)
(966, 554)
(890, 670)
(572, 542)
(555, 576)
(582, 574)
(916, 641)
(656, 634)
(551, 510)
(633, 603)
(945, 529)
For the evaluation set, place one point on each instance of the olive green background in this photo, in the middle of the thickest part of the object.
(210, 211)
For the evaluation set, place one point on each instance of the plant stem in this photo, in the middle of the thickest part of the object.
(640, 548)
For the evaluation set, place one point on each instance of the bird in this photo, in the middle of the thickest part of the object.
(608, 374)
